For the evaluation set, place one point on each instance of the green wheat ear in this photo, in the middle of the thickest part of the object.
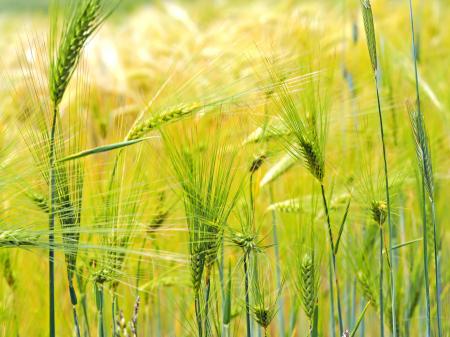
(83, 23)
(367, 288)
(378, 210)
(370, 32)
(423, 151)
(308, 286)
(168, 116)
(17, 238)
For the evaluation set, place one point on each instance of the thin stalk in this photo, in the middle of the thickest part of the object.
(381, 282)
(87, 332)
(363, 322)
(353, 311)
(425, 258)
(73, 300)
(75, 319)
(225, 327)
(386, 180)
(221, 266)
(198, 314)
(278, 269)
(437, 268)
(138, 271)
(252, 201)
(247, 299)
(225, 330)
(99, 303)
(113, 313)
(333, 258)
(315, 328)
(330, 279)
(51, 225)
(207, 291)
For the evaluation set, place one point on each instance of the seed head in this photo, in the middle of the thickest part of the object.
(379, 211)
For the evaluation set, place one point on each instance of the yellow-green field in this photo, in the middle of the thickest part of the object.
(224, 168)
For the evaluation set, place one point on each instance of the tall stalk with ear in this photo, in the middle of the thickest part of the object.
(66, 45)
(372, 47)
(378, 210)
(206, 178)
(424, 160)
(307, 143)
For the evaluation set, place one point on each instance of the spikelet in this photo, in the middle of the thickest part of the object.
(80, 28)
(308, 286)
(171, 115)
(367, 288)
(370, 32)
(39, 200)
(313, 158)
(245, 241)
(287, 206)
(262, 315)
(257, 163)
(378, 210)
(17, 238)
(423, 151)
(264, 134)
(283, 165)
(197, 267)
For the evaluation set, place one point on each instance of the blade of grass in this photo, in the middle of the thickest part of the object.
(360, 318)
(104, 148)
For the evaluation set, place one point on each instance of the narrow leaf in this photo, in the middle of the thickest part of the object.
(103, 148)
(359, 320)
(341, 228)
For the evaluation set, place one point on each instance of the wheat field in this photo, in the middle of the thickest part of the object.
(224, 168)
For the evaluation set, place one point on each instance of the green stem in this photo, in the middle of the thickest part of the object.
(51, 225)
(425, 258)
(330, 280)
(138, 271)
(75, 319)
(113, 312)
(333, 258)
(207, 291)
(381, 282)
(437, 268)
(363, 322)
(73, 300)
(87, 332)
(386, 180)
(99, 303)
(198, 314)
(278, 269)
(247, 299)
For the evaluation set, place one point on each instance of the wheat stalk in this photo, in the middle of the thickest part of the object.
(371, 43)
(424, 159)
(64, 60)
